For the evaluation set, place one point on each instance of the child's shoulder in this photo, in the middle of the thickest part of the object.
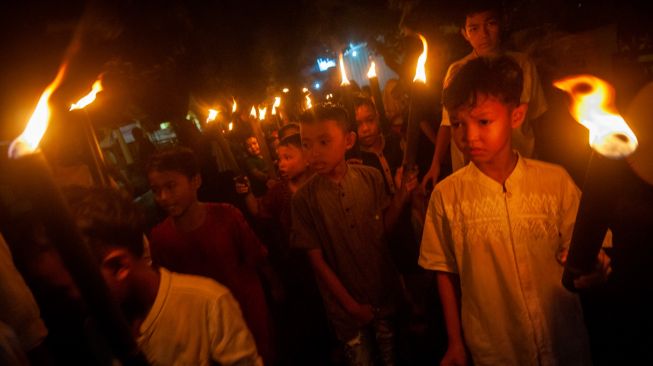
(196, 286)
(544, 171)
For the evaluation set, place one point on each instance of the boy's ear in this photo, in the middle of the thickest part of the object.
(463, 32)
(350, 139)
(196, 181)
(518, 115)
(119, 262)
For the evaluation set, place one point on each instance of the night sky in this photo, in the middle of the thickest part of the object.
(155, 54)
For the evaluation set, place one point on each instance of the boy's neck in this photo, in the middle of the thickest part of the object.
(338, 172)
(377, 146)
(192, 218)
(493, 53)
(147, 288)
(297, 181)
(499, 170)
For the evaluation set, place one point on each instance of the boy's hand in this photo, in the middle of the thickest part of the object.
(406, 182)
(456, 355)
(362, 313)
(598, 276)
(431, 177)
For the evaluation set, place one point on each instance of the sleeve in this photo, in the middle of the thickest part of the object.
(303, 234)
(18, 308)
(445, 115)
(253, 250)
(382, 198)
(231, 341)
(568, 209)
(437, 248)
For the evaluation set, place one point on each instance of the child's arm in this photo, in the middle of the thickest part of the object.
(242, 187)
(449, 290)
(407, 184)
(363, 313)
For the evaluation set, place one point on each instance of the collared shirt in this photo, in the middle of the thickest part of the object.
(503, 243)
(195, 321)
(387, 160)
(523, 139)
(345, 221)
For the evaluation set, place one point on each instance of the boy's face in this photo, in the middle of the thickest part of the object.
(483, 132)
(174, 191)
(368, 125)
(482, 31)
(252, 146)
(291, 161)
(325, 144)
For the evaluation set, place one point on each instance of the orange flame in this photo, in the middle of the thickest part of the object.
(231, 126)
(29, 140)
(88, 98)
(213, 114)
(371, 73)
(593, 107)
(420, 72)
(309, 104)
(234, 106)
(277, 103)
(262, 112)
(343, 72)
(252, 112)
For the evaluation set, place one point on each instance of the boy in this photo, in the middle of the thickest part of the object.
(483, 30)
(496, 231)
(339, 217)
(177, 319)
(207, 239)
(257, 168)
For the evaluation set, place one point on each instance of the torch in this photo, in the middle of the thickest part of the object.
(91, 137)
(275, 106)
(610, 137)
(222, 144)
(32, 196)
(376, 95)
(346, 96)
(263, 144)
(417, 91)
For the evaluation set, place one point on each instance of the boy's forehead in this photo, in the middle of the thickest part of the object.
(321, 127)
(483, 104)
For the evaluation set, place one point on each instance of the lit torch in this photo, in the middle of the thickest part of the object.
(343, 72)
(99, 171)
(277, 103)
(234, 106)
(610, 136)
(252, 112)
(418, 92)
(309, 104)
(262, 112)
(213, 114)
(30, 186)
(376, 95)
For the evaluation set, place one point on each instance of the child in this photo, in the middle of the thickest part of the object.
(482, 28)
(177, 319)
(207, 239)
(339, 217)
(257, 168)
(496, 230)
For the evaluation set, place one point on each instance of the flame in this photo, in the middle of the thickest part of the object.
(371, 73)
(593, 107)
(213, 114)
(90, 97)
(252, 112)
(285, 90)
(304, 90)
(262, 112)
(29, 140)
(343, 72)
(277, 103)
(420, 73)
(309, 104)
(231, 126)
(234, 106)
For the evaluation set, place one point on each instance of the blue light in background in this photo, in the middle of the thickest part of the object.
(325, 63)
(317, 85)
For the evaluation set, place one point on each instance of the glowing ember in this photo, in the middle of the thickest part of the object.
(234, 106)
(420, 73)
(593, 107)
(213, 114)
(371, 73)
(343, 72)
(304, 90)
(262, 112)
(89, 98)
(231, 126)
(29, 140)
(309, 104)
(285, 90)
(252, 112)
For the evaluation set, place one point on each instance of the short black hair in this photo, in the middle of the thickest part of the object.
(472, 7)
(106, 218)
(287, 130)
(500, 77)
(176, 159)
(361, 101)
(327, 112)
(291, 140)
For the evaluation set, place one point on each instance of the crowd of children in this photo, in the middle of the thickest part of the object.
(337, 261)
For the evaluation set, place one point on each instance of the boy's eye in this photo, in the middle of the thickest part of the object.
(484, 122)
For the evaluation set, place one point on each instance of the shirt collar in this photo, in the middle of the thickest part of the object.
(159, 302)
(511, 182)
